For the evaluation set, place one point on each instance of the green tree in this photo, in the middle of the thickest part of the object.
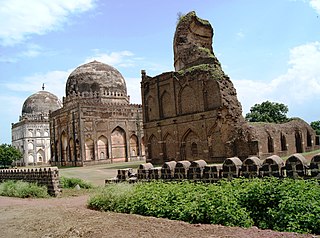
(316, 126)
(8, 154)
(268, 112)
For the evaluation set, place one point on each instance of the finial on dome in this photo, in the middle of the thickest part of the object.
(43, 86)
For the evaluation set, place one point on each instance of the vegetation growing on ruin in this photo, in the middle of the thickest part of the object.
(283, 205)
(200, 67)
(207, 51)
(186, 17)
(22, 190)
(73, 182)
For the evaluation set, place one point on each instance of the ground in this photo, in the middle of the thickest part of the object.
(69, 217)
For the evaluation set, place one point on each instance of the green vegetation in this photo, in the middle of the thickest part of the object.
(8, 154)
(316, 126)
(268, 112)
(72, 182)
(22, 190)
(283, 205)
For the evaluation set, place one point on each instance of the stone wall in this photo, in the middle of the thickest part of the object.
(296, 166)
(48, 177)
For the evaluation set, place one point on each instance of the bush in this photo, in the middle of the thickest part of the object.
(271, 203)
(23, 189)
(113, 197)
(72, 182)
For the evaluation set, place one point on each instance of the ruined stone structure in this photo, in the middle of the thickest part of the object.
(296, 166)
(193, 113)
(31, 135)
(97, 123)
(48, 177)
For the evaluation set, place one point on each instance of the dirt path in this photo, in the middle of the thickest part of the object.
(69, 217)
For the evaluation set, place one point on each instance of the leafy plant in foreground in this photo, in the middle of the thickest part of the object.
(22, 189)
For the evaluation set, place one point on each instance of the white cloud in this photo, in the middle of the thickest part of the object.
(240, 35)
(121, 58)
(19, 18)
(299, 86)
(316, 5)
(54, 81)
(32, 51)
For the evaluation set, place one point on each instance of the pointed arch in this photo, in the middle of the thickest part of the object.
(40, 156)
(186, 101)
(102, 148)
(298, 142)
(283, 141)
(118, 143)
(169, 147)
(270, 144)
(190, 145)
(30, 145)
(64, 145)
(89, 147)
(167, 106)
(30, 159)
(134, 146)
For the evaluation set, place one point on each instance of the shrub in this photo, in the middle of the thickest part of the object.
(72, 182)
(22, 189)
(270, 203)
(111, 198)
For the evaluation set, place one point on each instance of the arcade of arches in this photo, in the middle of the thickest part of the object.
(97, 123)
(193, 112)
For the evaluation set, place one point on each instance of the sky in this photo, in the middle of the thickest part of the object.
(269, 48)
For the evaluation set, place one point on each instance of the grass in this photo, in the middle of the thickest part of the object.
(307, 155)
(23, 190)
(97, 174)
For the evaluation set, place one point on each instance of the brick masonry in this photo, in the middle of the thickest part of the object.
(48, 177)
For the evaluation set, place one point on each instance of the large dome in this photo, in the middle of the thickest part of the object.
(39, 104)
(96, 80)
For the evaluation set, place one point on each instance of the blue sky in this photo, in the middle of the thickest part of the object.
(270, 49)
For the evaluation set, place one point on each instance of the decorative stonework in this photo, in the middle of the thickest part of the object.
(193, 113)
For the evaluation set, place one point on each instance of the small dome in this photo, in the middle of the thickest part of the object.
(40, 103)
(98, 79)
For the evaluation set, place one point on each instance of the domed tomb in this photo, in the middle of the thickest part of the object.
(96, 80)
(38, 105)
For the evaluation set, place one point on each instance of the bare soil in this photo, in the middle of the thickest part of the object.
(69, 217)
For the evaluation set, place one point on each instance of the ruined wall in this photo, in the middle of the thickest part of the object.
(48, 177)
(193, 112)
(295, 136)
(296, 166)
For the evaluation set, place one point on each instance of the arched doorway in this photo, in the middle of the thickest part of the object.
(270, 145)
(103, 148)
(298, 140)
(89, 149)
(190, 146)
(40, 156)
(283, 141)
(118, 144)
(134, 146)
